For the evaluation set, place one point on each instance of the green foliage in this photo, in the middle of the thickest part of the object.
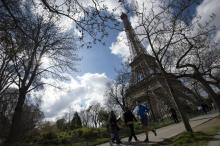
(49, 138)
(49, 135)
(76, 121)
(80, 136)
(91, 133)
(61, 124)
(193, 139)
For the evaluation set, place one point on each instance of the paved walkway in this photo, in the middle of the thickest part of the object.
(168, 131)
(215, 141)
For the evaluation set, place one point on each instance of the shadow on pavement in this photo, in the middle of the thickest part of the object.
(215, 139)
(151, 143)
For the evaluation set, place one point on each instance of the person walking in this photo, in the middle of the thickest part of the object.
(129, 120)
(174, 115)
(204, 108)
(114, 129)
(142, 112)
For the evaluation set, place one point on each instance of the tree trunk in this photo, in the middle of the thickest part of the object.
(214, 96)
(15, 125)
(176, 99)
(179, 106)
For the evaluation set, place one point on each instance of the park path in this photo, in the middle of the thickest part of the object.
(215, 141)
(169, 131)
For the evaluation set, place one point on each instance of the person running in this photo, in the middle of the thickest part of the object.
(129, 119)
(142, 112)
(114, 129)
(174, 115)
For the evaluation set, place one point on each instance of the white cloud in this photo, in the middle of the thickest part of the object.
(206, 9)
(65, 23)
(121, 47)
(114, 5)
(78, 93)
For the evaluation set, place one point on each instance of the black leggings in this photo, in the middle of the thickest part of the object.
(115, 136)
(132, 133)
(175, 118)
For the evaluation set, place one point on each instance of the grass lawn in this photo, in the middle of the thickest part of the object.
(201, 136)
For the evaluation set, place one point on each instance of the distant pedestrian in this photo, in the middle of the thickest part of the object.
(213, 106)
(199, 109)
(129, 120)
(142, 112)
(205, 108)
(174, 115)
(114, 129)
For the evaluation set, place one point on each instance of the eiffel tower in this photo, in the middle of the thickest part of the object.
(146, 82)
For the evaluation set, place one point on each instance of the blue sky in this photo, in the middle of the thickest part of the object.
(99, 58)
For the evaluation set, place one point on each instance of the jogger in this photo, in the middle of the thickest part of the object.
(114, 129)
(129, 119)
(142, 112)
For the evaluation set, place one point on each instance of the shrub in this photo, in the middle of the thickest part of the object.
(49, 138)
(89, 133)
(49, 135)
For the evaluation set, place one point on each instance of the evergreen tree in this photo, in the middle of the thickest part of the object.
(61, 124)
(76, 121)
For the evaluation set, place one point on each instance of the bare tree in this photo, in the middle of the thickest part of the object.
(6, 72)
(200, 61)
(103, 115)
(38, 39)
(91, 18)
(6, 69)
(31, 115)
(85, 116)
(116, 92)
(7, 105)
(94, 111)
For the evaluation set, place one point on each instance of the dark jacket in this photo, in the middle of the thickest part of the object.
(173, 112)
(113, 126)
(129, 117)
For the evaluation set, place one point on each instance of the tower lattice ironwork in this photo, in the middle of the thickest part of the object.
(146, 83)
